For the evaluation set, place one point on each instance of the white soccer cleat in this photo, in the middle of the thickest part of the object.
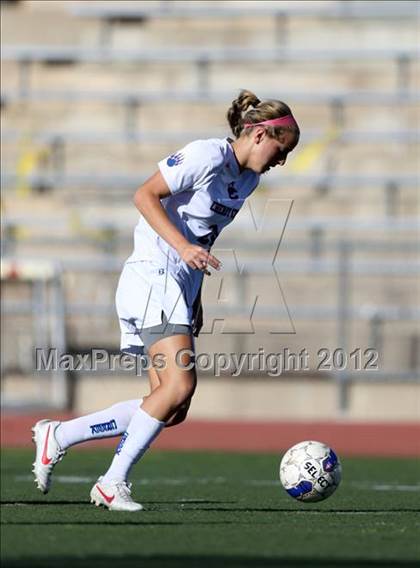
(48, 453)
(115, 496)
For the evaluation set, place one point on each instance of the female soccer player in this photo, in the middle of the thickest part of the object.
(194, 194)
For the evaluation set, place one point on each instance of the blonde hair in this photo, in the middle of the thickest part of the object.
(240, 113)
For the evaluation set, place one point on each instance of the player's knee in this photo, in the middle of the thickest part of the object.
(183, 388)
(185, 391)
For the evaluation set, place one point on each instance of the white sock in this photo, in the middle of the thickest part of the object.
(107, 423)
(141, 432)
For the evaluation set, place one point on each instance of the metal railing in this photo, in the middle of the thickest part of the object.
(202, 58)
(132, 101)
(343, 9)
(129, 135)
(280, 13)
(344, 268)
(392, 187)
(320, 225)
(47, 310)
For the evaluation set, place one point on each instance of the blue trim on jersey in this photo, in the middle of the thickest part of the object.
(175, 159)
(133, 350)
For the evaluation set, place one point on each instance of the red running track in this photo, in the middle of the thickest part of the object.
(347, 438)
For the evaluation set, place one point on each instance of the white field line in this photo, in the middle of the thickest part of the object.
(143, 481)
(367, 486)
(386, 486)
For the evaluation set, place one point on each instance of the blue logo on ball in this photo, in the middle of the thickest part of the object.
(175, 159)
(300, 489)
(330, 461)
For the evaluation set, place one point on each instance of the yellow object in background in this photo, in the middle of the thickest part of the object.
(28, 163)
(312, 152)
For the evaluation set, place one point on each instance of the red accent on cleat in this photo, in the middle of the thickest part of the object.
(106, 497)
(45, 459)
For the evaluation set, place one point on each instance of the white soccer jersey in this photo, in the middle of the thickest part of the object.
(207, 191)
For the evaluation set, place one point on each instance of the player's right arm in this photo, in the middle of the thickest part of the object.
(147, 199)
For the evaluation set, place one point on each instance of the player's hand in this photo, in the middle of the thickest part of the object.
(199, 258)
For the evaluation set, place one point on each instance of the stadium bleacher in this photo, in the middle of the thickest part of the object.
(311, 329)
(82, 130)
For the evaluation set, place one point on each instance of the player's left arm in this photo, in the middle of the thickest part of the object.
(148, 201)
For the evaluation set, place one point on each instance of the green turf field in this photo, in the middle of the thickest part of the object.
(210, 509)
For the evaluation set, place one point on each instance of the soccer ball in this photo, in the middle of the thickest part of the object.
(310, 471)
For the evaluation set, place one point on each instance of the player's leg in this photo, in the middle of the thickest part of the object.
(177, 377)
(181, 414)
(112, 421)
(52, 438)
(176, 386)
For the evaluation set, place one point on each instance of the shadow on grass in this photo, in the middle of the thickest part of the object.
(201, 562)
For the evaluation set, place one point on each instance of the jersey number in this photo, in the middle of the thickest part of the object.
(233, 193)
(210, 237)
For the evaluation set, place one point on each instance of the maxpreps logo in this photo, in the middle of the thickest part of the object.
(103, 427)
(175, 159)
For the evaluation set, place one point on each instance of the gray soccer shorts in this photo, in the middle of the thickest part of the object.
(150, 335)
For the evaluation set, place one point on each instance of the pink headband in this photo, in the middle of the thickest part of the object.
(287, 120)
